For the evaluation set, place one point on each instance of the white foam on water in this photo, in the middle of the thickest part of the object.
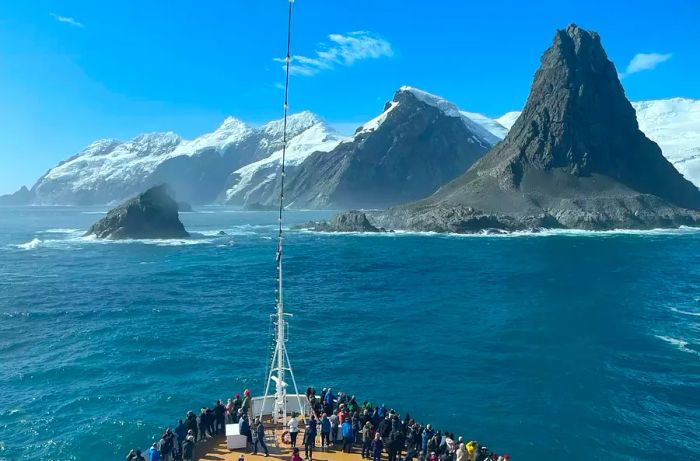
(30, 245)
(694, 314)
(683, 230)
(156, 242)
(679, 343)
(61, 230)
(93, 212)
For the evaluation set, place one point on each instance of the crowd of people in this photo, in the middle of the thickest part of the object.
(180, 442)
(334, 420)
(376, 430)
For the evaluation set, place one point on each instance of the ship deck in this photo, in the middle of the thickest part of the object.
(215, 449)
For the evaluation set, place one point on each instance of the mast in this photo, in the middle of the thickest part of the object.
(280, 359)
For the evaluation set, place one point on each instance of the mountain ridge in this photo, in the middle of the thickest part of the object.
(574, 158)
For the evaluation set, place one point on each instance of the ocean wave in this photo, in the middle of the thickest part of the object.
(30, 245)
(680, 344)
(694, 314)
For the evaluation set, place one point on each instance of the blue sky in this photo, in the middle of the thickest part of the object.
(75, 71)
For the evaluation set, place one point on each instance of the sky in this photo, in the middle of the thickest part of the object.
(72, 72)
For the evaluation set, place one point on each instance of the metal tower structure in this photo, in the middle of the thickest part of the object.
(280, 363)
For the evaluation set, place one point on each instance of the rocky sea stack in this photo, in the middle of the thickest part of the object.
(575, 158)
(150, 215)
(348, 221)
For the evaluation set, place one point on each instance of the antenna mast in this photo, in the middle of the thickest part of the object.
(280, 359)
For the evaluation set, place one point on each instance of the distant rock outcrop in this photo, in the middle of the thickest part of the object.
(22, 197)
(348, 221)
(574, 158)
(150, 215)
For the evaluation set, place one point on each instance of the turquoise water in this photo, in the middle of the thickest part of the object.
(566, 346)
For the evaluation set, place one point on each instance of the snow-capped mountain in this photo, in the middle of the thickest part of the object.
(673, 124)
(417, 144)
(491, 125)
(109, 171)
(256, 183)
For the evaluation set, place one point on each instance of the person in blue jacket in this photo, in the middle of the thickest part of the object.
(325, 431)
(310, 437)
(153, 453)
(329, 401)
(348, 436)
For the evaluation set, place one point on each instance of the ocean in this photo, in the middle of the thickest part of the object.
(558, 345)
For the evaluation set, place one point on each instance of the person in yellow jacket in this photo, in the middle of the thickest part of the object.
(471, 450)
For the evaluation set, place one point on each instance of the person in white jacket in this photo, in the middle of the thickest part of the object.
(293, 425)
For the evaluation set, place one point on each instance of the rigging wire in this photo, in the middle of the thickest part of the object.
(288, 59)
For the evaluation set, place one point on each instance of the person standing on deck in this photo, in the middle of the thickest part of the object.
(153, 453)
(259, 438)
(237, 404)
(219, 417)
(329, 401)
(356, 427)
(367, 436)
(246, 404)
(191, 424)
(188, 447)
(377, 447)
(334, 428)
(348, 436)
(293, 431)
(461, 453)
(166, 445)
(180, 434)
(203, 423)
(310, 438)
(244, 428)
(325, 430)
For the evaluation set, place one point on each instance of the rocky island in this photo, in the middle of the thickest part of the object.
(150, 215)
(349, 221)
(575, 158)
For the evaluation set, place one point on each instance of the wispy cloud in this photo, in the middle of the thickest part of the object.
(340, 50)
(66, 20)
(645, 61)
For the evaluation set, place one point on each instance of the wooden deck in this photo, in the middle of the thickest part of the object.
(215, 449)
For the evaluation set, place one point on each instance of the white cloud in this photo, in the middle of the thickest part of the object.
(66, 20)
(341, 50)
(645, 61)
